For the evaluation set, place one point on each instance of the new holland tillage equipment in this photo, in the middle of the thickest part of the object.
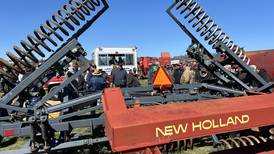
(233, 114)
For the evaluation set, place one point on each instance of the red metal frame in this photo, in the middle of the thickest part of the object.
(137, 128)
(263, 59)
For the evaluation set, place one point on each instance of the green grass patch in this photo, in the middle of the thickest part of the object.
(12, 143)
(143, 82)
(81, 130)
(198, 150)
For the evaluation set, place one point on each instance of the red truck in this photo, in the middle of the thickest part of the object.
(53, 83)
(143, 63)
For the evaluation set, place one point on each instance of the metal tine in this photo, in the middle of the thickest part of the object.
(91, 4)
(23, 55)
(75, 10)
(59, 26)
(39, 33)
(187, 6)
(181, 4)
(69, 16)
(34, 41)
(199, 12)
(208, 19)
(194, 8)
(64, 21)
(43, 28)
(213, 32)
(29, 47)
(8, 65)
(249, 140)
(82, 7)
(17, 61)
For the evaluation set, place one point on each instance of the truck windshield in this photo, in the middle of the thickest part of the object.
(110, 59)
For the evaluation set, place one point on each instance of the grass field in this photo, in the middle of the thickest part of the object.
(143, 82)
(12, 143)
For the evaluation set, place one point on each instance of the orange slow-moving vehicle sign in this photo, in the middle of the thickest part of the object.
(161, 79)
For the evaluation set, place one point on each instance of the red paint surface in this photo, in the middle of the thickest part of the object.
(144, 62)
(54, 81)
(165, 59)
(135, 128)
(109, 100)
(263, 59)
(9, 132)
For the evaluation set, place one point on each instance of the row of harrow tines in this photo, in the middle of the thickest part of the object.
(251, 142)
(73, 16)
(196, 23)
(207, 27)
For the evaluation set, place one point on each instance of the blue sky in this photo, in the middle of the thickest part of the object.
(143, 23)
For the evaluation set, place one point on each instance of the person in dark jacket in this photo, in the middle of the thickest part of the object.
(96, 82)
(119, 76)
(177, 74)
(104, 74)
(132, 80)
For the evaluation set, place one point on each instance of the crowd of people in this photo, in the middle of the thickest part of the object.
(188, 72)
(96, 79)
(180, 73)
